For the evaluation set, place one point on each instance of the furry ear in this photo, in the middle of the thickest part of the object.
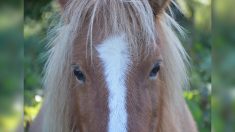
(62, 3)
(158, 6)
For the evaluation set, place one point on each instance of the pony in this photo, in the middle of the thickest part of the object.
(115, 66)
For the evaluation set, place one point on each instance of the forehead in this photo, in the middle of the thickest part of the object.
(113, 44)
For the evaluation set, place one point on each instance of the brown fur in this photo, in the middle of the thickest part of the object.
(159, 6)
(143, 94)
(92, 97)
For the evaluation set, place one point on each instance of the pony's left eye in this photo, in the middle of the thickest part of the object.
(155, 70)
(79, 75)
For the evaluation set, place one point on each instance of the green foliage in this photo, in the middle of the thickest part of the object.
(223, 99)
(10, 67)
(35, 29)
(199, 104)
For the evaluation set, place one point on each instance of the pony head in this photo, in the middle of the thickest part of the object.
(115, 65)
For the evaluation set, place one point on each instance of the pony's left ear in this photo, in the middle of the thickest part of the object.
(62, 3)
(158, 6)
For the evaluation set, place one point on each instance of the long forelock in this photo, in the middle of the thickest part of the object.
(132, 17)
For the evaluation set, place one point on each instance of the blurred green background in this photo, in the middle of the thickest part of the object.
(213, 110)
(11, 64)
(223, 56)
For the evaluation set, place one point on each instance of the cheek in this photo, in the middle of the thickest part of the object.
(142, 105)
(91, 103)
(83, 99)
(79, 98)
(155, 93)
(83, 106)
(155, 88)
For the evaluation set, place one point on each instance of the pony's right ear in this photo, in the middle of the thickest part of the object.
(159, 6)
(62, 3)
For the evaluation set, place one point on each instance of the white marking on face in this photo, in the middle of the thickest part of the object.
(115, 57)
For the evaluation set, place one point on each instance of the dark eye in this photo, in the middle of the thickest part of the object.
(155, 70)
(79, 75)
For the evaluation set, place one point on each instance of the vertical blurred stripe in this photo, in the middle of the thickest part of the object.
(223, 75)
(11, 64)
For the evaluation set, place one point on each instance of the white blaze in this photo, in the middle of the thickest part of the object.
(115, 58)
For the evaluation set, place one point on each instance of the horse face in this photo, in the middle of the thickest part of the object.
(116, 90)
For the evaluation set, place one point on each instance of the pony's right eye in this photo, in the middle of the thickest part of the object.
(79, 75)
(154, 71)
